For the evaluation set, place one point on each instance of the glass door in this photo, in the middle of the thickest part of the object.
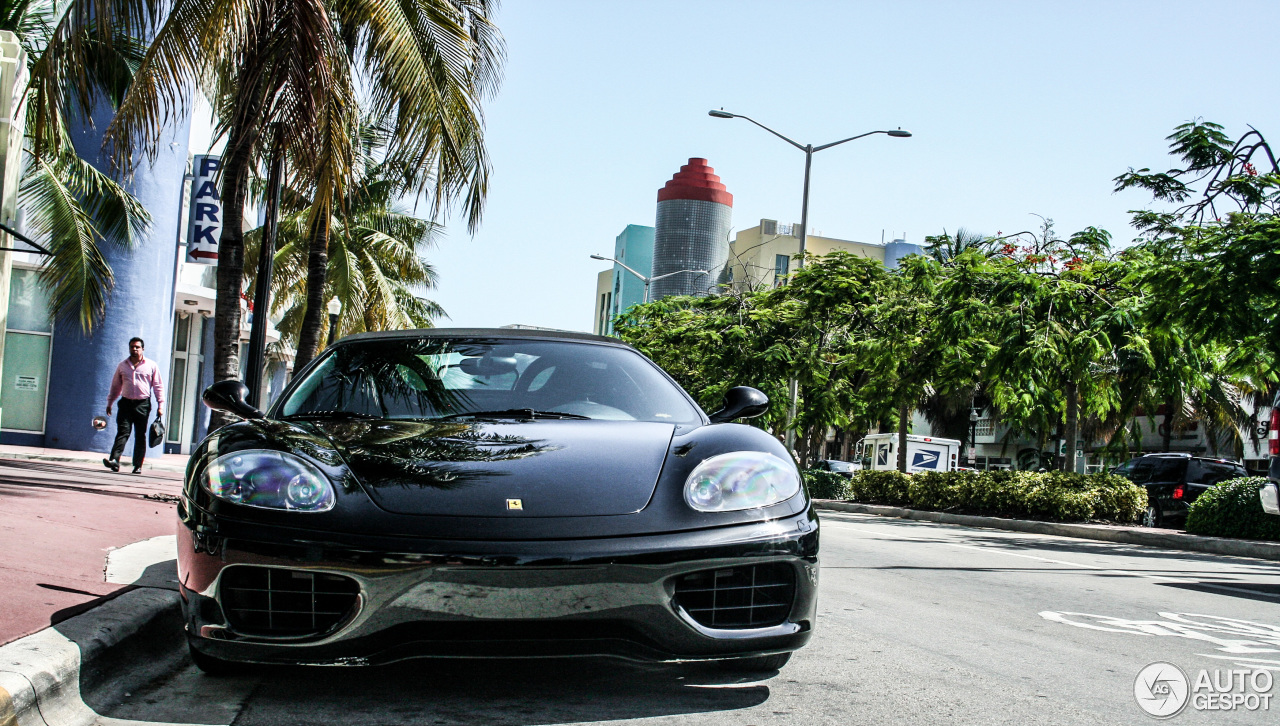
(184, 381)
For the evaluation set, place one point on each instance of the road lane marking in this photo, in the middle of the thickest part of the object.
(1261, 638)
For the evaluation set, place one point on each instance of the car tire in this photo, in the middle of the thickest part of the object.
(1152, 517)
(209, 665)
(758, 664)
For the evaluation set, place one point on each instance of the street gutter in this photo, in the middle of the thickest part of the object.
(1166, 539)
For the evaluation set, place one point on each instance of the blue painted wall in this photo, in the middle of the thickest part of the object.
(141, 303)
(634, 247)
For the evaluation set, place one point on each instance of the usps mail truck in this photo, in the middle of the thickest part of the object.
(879, 452)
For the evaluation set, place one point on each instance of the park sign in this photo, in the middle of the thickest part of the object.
(205, 225)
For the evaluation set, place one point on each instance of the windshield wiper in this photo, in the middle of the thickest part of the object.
(332, 414)
(522, 413)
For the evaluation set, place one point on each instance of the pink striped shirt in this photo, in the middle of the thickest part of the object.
(137, 382)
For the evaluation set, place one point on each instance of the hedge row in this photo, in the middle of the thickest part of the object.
(1233, 509)
(1053, 495)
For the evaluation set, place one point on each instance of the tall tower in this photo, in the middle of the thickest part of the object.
(692, 232)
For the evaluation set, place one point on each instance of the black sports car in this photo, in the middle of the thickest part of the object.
(492, 493)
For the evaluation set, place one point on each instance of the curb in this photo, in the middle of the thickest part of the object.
(64, 674)
(1104, 532)
(161, 466)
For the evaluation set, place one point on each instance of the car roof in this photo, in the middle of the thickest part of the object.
(526, 333)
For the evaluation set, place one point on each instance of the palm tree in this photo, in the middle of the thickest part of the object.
(73, 63)
(290, 67)
(374, 261)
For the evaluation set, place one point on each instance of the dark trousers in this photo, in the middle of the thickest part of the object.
(132, 414)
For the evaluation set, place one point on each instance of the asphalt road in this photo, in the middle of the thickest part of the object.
(920, 623)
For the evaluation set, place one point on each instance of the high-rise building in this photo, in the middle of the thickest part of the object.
(692, 232)
(617, 289)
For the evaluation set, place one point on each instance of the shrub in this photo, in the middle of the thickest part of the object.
(826, 484)
(880, 487)
(1052, 495)
(1232, 509)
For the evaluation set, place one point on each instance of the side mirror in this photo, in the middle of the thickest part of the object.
(229, 396)
(741, 402)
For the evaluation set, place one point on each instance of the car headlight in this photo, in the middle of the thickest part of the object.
(270, 480)
(740, 480)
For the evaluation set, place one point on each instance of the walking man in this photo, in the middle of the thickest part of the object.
(136, 378)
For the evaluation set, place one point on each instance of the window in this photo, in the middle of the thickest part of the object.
(426, 378)
(781, 265)
(27, 344)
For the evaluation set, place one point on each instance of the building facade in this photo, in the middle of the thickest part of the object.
(55, 379)
(695, 213)
(763, 256)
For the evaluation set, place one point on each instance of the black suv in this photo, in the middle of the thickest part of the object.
(1174, 481)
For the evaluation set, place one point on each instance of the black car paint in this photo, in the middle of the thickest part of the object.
(370, 461)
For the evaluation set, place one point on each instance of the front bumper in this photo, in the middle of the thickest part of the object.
(1270, 495)
(614, 596)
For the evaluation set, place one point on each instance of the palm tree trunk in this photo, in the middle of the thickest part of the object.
(904, 414)
(226, 316)
(1070, 430)
(312, 333)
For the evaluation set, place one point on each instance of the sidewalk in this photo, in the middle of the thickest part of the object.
(163, 462)
(1131, 534)
(61, 512)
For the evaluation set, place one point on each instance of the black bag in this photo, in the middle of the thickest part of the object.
(156, 434)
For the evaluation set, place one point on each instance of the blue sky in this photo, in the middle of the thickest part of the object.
(1017, 108)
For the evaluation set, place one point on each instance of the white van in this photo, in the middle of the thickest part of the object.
(879, 452)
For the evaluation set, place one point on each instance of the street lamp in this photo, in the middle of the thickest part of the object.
(646, 280)
(335, 309)
(808, 150)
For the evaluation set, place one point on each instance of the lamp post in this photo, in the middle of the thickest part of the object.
(646, 280)
(809, 150)
(974, 416)
(335, 309)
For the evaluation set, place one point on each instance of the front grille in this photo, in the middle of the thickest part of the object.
(754, 596)
(280, 602)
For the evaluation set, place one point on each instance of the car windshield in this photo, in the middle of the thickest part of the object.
(438, 377)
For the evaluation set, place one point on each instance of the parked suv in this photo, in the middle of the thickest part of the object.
(1174, 481)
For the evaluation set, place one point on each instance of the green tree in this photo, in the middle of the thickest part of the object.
(74, 64)
(291, 67)
(374, 254)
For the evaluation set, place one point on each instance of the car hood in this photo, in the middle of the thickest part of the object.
(551, 468)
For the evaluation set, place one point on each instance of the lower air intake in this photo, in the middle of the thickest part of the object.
(279, 602)
(753, 596)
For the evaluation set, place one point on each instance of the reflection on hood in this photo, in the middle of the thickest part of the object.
(426, 454)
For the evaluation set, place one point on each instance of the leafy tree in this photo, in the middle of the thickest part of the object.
(1215, 269)
(284, 73)
(74, 64)
(1065, 310)
(374, 254)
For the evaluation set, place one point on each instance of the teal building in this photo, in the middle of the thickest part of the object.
(633, 248)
